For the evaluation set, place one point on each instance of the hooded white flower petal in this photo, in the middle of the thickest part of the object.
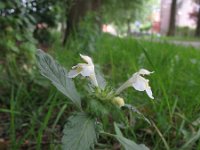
(86, 70)
(138, 82)
(87, 59)
(142, 84)
(144, 72)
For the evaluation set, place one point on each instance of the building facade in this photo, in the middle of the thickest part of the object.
(183, 14)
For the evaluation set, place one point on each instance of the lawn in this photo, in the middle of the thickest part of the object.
(34, 113)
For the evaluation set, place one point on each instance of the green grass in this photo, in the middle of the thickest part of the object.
(175, 85)
(39, 112)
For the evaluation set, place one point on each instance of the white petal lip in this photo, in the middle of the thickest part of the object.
(149, 92)
(87, 71)
(144, 72)
(140, 83)
(73, 73)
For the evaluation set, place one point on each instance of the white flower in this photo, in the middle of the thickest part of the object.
(138, 82)
(85, 69)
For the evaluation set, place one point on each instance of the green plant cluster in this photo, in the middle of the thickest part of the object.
(33, 117)
(80, 131)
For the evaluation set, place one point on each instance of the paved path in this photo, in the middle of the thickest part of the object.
(194, 44)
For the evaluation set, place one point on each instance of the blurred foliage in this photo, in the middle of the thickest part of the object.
(89, 31)
(18, 21)
(25, 20)
(16, 26)
(17, 44)
(127, 11)
(122, 10)
(185, 32)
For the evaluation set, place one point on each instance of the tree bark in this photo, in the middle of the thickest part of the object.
(128, 26)
(76, 13)
(172, 23)
(197, 32)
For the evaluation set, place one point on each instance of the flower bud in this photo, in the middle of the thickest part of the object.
(118, 101)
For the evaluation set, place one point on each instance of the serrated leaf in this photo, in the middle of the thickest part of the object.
(58, 76)
(79, 133)
(126, 143)
(117, 130)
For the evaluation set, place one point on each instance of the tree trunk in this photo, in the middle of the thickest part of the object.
(172, 23)
(197, 32)
(128, 27)
(76, 13)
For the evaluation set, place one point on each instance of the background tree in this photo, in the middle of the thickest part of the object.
(126, 12)
(121, 13)
(197, 32)
(172, 22)
(76, 10)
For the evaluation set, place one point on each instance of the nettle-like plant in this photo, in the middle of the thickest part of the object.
(98, 102)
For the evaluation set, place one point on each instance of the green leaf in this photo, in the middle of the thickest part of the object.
(79, 133)
(191, 140)
(58, 76)
(11, 45)
(138, 113)
(117, 130)
(2, 5)
(126, 143)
